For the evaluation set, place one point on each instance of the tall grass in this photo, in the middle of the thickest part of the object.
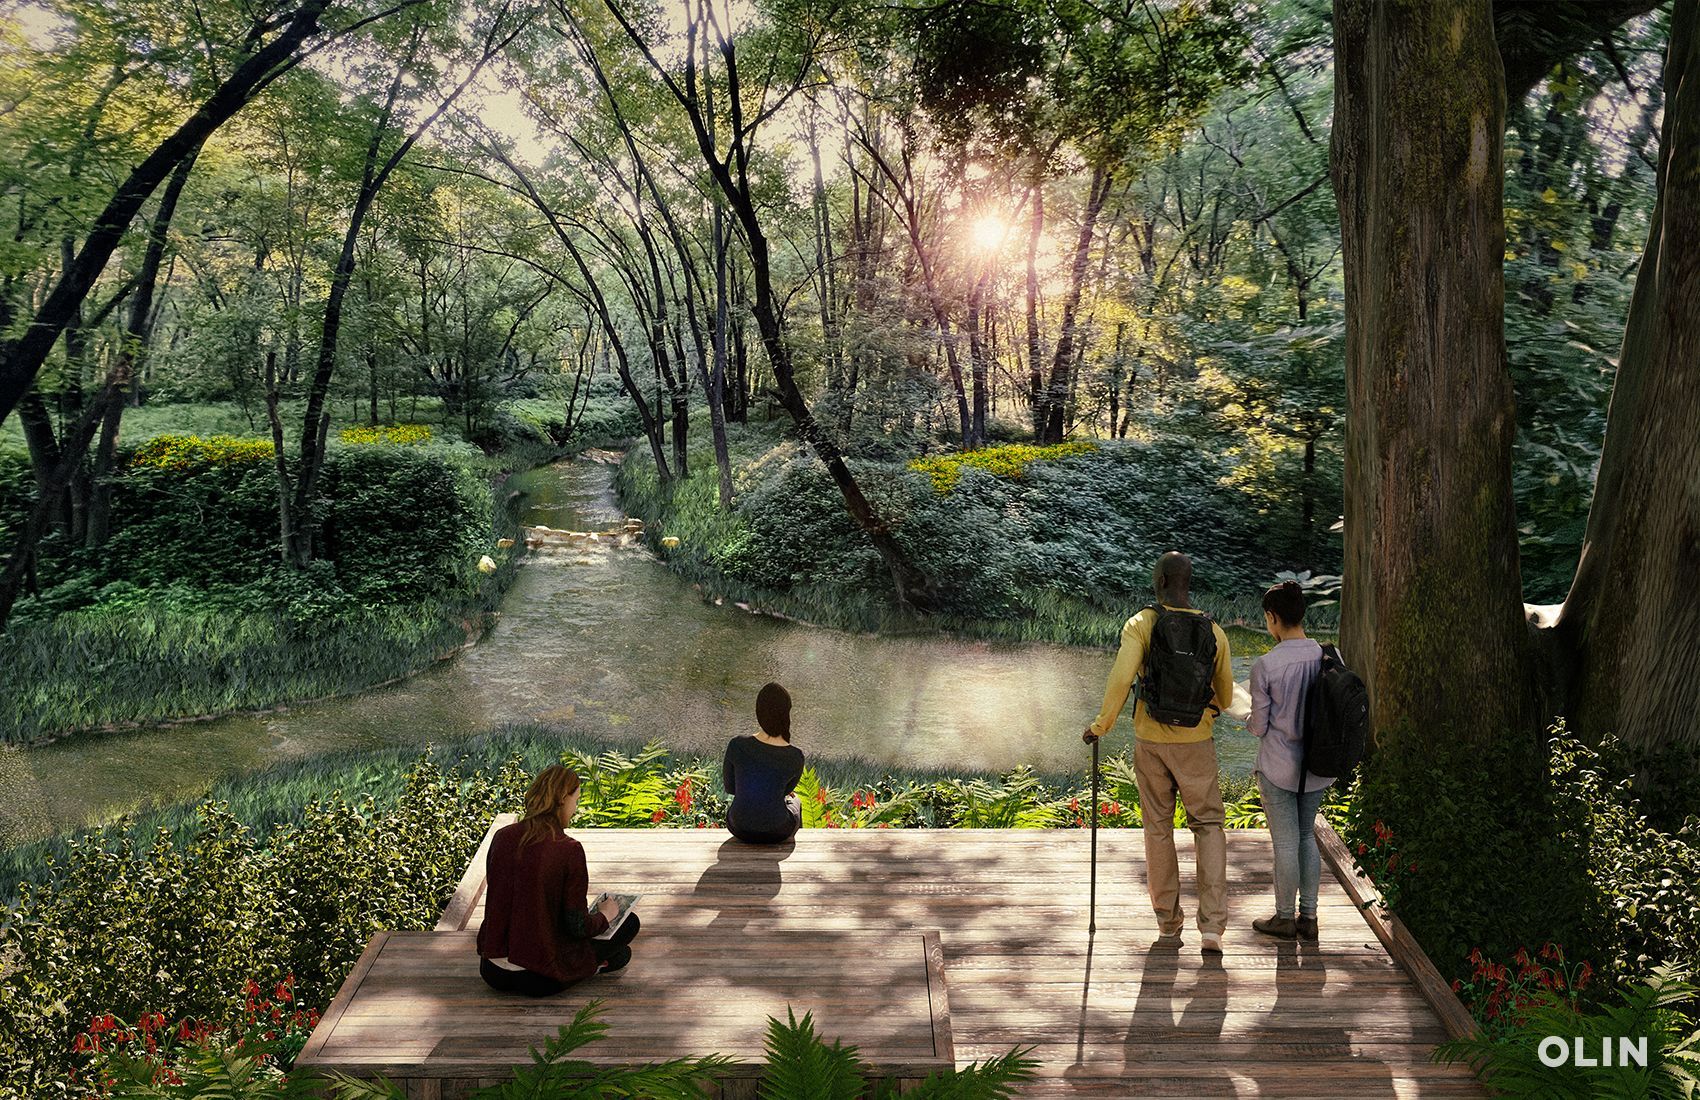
(86, 670)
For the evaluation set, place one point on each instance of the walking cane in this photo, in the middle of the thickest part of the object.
(1092, 905)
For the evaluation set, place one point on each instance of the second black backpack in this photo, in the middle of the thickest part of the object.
(1180, 665)
(1336, 725)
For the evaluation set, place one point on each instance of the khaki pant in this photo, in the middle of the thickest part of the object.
(1191, 769)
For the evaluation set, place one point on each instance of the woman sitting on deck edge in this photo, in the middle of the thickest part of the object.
(538, 934)
(760, 772)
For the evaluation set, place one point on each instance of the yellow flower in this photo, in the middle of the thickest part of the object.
(486, 564)
(671, 542)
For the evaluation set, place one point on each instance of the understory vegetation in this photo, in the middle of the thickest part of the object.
(1023, 542)
(1571, 893)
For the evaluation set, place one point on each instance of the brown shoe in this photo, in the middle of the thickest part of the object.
(1282, 928)
(1306, 927)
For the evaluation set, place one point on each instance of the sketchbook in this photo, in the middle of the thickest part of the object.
(1241, 706)
(626, 902)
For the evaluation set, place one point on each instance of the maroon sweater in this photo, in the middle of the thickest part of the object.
(535, 911)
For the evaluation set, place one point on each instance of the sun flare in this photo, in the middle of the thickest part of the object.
(989, 232)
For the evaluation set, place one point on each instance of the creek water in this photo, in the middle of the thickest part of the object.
(603, 638)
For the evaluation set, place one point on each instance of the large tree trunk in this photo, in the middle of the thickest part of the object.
(1628, 664)
(1432, 615)
(21, 356)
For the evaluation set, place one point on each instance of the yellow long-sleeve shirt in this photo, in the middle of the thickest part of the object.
(1130, 660)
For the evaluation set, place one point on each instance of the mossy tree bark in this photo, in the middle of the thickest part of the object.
(1626, 659)
(1431, 540)
(1431, 551)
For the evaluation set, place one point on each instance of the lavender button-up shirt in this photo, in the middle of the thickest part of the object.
(1280, 679)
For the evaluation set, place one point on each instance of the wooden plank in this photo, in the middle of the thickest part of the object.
(1393, 934)
(938, 998)
(344, 995)
(439, 1017)
(469, 894)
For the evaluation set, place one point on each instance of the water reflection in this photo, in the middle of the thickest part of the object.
(603, 638)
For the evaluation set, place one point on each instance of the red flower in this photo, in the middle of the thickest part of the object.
(1115, 808)
(1457, 985)
(1074, 805)
(1362, 847)
(682, 796)
(658, 816)
(820, 796)
(1587, 972)
(251, 988)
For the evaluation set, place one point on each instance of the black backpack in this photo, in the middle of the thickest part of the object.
(1336, 725)
(1180, 665)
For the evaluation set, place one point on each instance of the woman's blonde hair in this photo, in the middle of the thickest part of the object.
(553, 786)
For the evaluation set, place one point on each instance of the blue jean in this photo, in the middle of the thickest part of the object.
(1292, 826)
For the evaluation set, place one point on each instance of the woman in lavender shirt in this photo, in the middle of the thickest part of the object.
(1280, 679)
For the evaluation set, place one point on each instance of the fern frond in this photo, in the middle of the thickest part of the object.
(802, 1066)
(993, 1079)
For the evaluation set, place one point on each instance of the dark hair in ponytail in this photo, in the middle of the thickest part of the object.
(1286, 601)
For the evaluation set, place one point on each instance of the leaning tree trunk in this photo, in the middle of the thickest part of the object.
(1432, 615)
(1628, 664)
(137, 332)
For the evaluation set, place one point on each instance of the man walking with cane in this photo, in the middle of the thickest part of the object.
(1181, 661)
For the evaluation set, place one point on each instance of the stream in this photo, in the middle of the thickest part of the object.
(603, 638)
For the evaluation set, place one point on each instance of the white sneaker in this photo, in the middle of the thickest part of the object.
(1210, 943)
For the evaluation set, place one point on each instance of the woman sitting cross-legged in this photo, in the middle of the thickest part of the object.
(761, 771)
(1280, 680)
(537, 935)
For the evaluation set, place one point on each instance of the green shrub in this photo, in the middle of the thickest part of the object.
(1482, 854)
(1565, 858)
(180, 924)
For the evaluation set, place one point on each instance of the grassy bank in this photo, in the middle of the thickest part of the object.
(1047, 549)
(187, 612)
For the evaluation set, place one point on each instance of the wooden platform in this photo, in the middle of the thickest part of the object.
(1107, 1015)
(415, 1011)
